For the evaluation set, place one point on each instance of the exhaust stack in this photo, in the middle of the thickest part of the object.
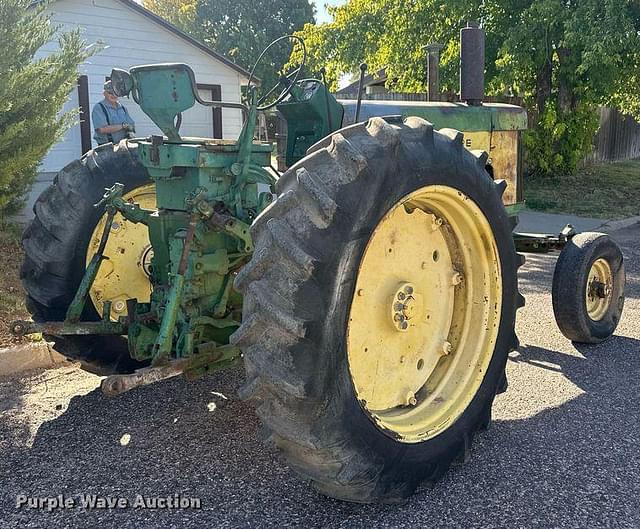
(472, 64)
(433, 71)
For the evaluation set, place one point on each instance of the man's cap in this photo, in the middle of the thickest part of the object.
(108, 88)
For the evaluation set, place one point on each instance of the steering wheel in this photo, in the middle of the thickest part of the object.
(286, 81)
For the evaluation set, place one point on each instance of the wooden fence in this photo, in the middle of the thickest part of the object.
(385, 96)
(618, 137)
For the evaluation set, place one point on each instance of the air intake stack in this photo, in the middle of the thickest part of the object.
(472, 64)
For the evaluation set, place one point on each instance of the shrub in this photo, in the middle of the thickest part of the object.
(32, 93)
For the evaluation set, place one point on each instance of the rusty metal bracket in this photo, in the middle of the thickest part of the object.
(207, 361)
(62, 328)
(542, 242)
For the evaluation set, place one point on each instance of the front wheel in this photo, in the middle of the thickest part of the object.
(588, 288)
(379, 308)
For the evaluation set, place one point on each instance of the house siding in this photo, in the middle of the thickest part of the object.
(132, 39)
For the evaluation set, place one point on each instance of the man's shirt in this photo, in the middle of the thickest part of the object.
(114, 116)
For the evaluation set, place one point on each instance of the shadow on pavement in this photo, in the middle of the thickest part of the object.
(575, 465)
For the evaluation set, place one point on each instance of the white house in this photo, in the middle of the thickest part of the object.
(131, 36)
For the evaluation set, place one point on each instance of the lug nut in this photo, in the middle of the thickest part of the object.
(401, 295)
(411, 399)
(119, 306)
(456, 279)
(446, 348)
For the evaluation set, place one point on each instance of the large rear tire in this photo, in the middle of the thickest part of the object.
(56, 244)
(316, 292)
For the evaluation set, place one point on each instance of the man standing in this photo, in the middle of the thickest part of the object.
(111, 121)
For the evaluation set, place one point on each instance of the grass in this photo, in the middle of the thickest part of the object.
(12, 305)
(607, 191)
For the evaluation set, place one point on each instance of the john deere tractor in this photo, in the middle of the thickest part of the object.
(370, 290)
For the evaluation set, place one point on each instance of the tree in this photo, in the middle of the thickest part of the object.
(32, 92)
(181, 13)
(241, 29)
(563, 57)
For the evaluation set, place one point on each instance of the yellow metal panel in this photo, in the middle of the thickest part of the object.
(502, 147)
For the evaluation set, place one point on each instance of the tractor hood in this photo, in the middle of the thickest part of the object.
(460, 116)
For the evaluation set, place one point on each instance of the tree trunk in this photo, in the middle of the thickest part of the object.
(566, 98)
(543, 85)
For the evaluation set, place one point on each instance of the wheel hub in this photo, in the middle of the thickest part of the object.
(599, 289)
(405, 306)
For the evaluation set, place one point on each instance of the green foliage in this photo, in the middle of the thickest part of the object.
(241, 29)
(181, 13)
(32, 92)
(560, 141)
(572, 56)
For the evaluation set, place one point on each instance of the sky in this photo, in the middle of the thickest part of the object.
(321, 11)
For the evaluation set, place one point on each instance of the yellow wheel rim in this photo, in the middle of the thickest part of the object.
(125, 274)
(425, 313)
(599, 289)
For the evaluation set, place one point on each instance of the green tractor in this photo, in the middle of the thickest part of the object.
(370, 290)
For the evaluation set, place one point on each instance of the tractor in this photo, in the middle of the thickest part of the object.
(370, 290)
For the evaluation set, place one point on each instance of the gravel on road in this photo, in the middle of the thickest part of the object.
(562, 450)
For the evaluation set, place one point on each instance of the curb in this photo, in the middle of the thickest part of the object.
(613, 225)
(27, 356)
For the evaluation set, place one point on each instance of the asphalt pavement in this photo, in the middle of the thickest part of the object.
(562, 450)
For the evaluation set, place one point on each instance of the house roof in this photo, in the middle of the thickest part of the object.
(176, 31)
(374, 78)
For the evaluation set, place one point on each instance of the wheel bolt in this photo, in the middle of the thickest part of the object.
(119, 306)
(456, 279)
(401, 296)
(446, 348)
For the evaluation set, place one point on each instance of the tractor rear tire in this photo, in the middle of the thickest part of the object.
(301, 289)
(581, 314)
(56, 243)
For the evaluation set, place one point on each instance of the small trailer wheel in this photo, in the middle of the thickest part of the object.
(588, 288)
